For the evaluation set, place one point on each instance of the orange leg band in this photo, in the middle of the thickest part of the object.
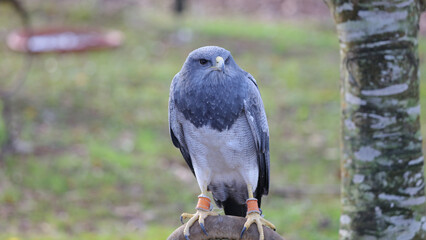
(203, 203)
(252, 205)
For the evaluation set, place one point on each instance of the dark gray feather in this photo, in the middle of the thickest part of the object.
(256, 116)
(214, 103)
(175, 129)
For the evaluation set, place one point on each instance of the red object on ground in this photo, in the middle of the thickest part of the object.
(62, 40)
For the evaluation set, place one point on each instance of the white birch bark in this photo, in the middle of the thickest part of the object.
(383, 191)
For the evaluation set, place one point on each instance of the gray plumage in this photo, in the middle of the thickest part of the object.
(218, 122)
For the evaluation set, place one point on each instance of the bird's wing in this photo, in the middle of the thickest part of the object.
(256, 116)
(175, 127)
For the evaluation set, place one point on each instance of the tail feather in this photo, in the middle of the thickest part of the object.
(231, 207)
(233, 199)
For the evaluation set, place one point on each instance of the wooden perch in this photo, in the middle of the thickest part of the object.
(224, 227)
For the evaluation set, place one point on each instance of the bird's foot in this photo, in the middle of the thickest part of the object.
(200, 215)
(203, 211)
(253, 216)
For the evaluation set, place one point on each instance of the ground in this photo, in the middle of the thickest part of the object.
(100, 163)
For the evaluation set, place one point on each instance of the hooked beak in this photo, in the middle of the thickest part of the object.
(220, 64)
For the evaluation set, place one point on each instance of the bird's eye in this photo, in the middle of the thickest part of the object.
(203, 61)
(227, 60)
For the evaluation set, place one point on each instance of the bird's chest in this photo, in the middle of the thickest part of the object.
(218, 150)
(217, 106)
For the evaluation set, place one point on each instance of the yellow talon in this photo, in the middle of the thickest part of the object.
(200, 215)
(254, 217)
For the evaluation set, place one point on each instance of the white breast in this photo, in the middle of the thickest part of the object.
(222, 157)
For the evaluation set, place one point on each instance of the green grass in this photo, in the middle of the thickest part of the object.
(103, 166)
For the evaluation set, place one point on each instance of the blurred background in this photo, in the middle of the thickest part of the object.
(95, 158)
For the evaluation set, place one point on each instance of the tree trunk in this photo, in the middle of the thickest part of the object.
(383, 193)
(179, 6)
(9, 146)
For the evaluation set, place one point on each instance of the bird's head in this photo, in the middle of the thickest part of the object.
(209, 62)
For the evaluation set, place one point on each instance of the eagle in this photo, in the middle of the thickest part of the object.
(218, 122)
